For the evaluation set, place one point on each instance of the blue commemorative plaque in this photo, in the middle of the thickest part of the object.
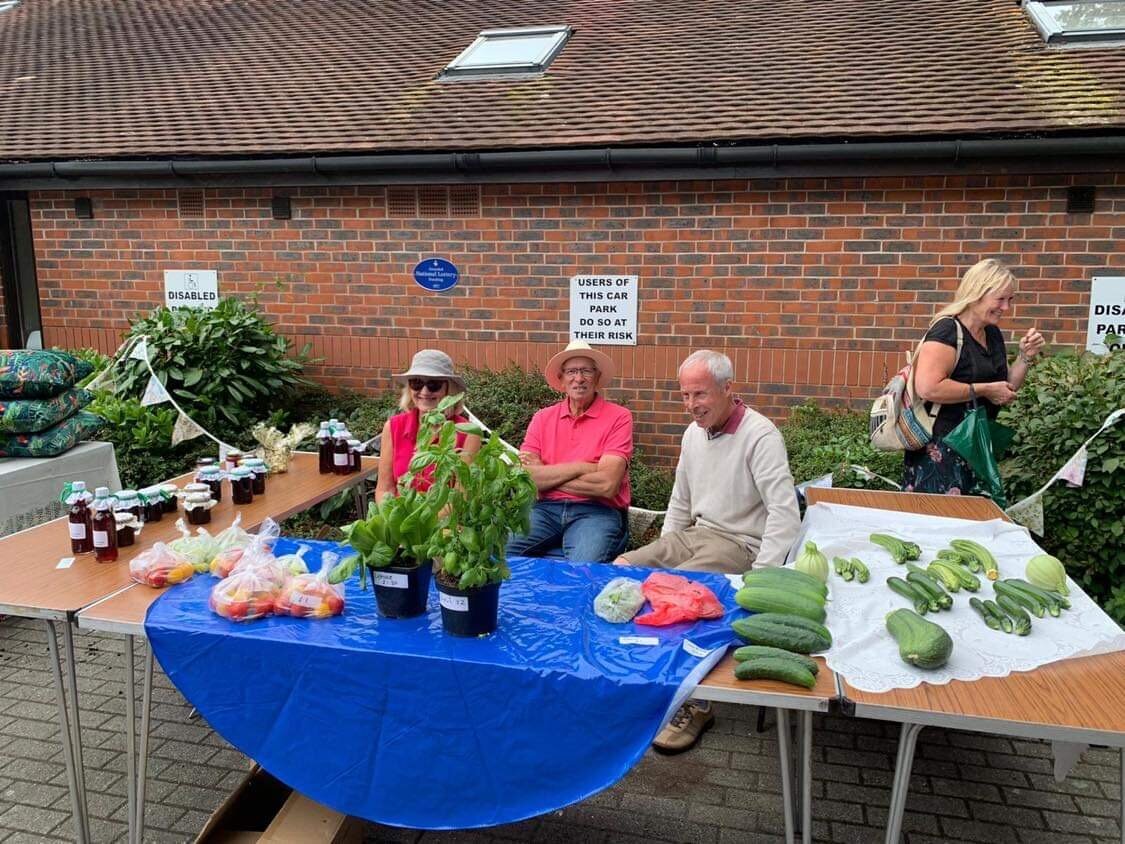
(436, 274)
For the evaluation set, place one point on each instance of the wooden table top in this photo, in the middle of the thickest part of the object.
(1073, 699)
(31, 585)
(720, 684)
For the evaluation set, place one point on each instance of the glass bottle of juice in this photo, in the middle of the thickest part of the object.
(324, 449)
(81, 540)
(341, 456)
(104, 525)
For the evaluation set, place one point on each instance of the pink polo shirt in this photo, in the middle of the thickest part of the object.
(557, 437)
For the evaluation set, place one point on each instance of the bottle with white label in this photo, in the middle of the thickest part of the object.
(341, 454)
(78, 517)
(104, 527)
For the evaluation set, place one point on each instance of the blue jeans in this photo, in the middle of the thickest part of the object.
(586, 531)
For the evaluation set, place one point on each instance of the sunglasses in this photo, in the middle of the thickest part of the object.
(434, 385)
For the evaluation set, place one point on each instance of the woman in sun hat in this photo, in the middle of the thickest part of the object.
(425, 384)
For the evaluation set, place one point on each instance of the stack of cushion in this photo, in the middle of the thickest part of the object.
(40, 408)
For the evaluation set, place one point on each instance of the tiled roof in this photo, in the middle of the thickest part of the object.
(139, 78)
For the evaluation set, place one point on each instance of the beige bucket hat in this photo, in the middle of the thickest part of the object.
(431, 363)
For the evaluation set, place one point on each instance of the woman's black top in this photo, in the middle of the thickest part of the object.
(977, 364)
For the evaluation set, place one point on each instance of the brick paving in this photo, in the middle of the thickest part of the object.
(966, 786)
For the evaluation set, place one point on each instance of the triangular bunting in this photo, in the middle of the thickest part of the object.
(140, 351)
(154, 392)
(185, 429)
(1074, 472)
(1029, 513)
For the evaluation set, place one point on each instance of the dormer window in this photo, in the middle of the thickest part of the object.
(501, 52)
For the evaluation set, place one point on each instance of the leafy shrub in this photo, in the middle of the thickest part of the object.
(505, 400)
(1065, 399)
(141, 438)
(226, 366)
(821, 441)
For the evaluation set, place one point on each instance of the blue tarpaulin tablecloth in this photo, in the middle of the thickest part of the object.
(396, 722)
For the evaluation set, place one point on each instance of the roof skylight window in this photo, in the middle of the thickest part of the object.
(498, 52)
(1092, 22)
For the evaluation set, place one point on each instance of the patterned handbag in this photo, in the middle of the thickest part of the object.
(901, 420)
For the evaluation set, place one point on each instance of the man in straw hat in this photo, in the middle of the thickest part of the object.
(577, 452)
(733, 504)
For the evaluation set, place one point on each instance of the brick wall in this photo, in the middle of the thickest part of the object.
(815, 287)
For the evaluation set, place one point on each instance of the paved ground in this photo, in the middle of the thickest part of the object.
(966, 787)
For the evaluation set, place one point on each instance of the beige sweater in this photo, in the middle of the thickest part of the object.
(738, 484)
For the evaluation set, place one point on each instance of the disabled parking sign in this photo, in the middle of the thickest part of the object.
(436, 274)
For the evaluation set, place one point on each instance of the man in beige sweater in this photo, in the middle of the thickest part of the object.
(733, 504)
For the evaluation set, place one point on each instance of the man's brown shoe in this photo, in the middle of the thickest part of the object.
(683, 731)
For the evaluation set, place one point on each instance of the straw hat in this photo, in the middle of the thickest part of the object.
(430, 363)
(577, 349)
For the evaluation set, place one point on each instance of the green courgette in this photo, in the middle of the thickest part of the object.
(921, 602)
(1021, 621)
(1050, 597)
(998, 614)
(901, 550)
(920, 642)
(843, 568)
(1032, 603)
(937, 597)
(980, 553)
(945, 576)
(862, 573)
(978, 605)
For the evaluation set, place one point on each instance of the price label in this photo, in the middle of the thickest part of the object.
(391, 580)
(456, 603)
(101, 539)
(65, 563)
(309, 601)
(77, 530)
(694, 649)
(639, 640)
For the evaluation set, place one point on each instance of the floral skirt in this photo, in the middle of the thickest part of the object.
(939, 469)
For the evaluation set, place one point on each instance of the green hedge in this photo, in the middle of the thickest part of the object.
(821, 441)
(1065, 399)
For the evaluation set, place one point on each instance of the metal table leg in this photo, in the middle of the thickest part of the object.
(907, 739)
(142, 774)
(798, 775)
(786, 778)
(131, 738)
(76, 723)
(76, 798)
(804, 725)
(1123, 795)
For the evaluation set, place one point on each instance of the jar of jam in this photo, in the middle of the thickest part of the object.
(257, 466)
(204, 461)
(104, 526)
(152, 504)
(354, 455)
(234, 458)
(341, 458)
(213, 477)
(127, 526)
(324, 449)
(241, 485)
(78, 500)
(197, 506)
(171, 497)
(129, 502)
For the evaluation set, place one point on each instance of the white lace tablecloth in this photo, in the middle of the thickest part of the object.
(864, 653)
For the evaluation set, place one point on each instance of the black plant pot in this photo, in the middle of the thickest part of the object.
(401, 591)
(469, 612)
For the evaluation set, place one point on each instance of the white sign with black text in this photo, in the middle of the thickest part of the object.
(191, 288)
(603, 309)
(1107, 314)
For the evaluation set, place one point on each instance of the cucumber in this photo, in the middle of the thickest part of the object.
(760, 599)
(920, 642)
(1032, 603)
(920, 601)
(774, 668)
(758, 651)
(788, 638)
(791, 578)
(978, 605)
(998, 614)
(796, 621)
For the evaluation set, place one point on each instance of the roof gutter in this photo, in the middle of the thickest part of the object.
(589, 164)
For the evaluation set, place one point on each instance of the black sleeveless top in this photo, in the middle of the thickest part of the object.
(976, 364)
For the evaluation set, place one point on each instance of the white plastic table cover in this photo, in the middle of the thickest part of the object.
(864, 653)
(30, 486)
